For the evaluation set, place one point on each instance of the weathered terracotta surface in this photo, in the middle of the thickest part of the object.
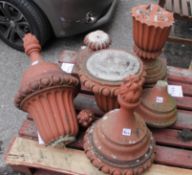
(85, 118)
(103, 71)
(97, 40)
(151, 27)
(47, 93)
(120, 142)
(156, 69)
(157, 107)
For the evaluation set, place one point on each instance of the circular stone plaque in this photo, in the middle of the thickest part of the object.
(112, 65)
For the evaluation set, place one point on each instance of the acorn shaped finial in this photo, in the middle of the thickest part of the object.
(97, 40)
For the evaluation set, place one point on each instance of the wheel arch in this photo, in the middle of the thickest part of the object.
(47, 7)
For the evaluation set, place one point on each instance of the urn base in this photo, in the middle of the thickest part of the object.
(155, 70)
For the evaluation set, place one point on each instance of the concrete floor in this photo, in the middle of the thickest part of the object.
(13, 63)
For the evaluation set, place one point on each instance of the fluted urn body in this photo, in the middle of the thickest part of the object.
(120, 142)
(47, 93)
(157, 107)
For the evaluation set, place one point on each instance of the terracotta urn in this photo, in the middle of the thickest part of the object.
(151, 28)
(102, 70)
(120, 143)
(47, 93)
(157, 107)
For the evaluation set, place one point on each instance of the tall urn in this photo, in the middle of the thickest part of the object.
(47, 93)
(151, 28)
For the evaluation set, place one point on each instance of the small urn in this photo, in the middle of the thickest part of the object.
(157, 107)
(120, 143)
(151, 28)
(103, 70)
(47, 93)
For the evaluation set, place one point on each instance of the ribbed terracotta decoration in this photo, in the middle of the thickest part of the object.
(151, 27)
(97, 40)
(120, 143)
(47, 93)
(85, 118)
(103, 71)
(156, 69)
(157, 107)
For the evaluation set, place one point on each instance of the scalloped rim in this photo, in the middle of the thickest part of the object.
(100, 86)
(44, 84)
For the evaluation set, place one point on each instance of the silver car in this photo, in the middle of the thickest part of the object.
(47, 17)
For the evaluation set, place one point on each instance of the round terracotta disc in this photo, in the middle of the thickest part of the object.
(112, 65)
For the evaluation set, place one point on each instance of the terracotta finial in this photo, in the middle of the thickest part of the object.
(45, 91)
(128, 150)
(32, 46)
(157, 107)
(85, 118)
(130, 91)
(97, 40)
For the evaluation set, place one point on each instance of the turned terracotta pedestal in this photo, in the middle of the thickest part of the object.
(157, 107)
(156, 69)
(151, 27)
(120, 142)
(47, 93)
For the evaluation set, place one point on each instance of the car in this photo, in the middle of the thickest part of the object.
(44, 18)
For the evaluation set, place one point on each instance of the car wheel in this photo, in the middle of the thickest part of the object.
(18, 17)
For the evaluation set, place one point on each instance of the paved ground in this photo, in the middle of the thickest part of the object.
(13, 63)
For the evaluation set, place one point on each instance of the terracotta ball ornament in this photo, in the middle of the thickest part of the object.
(85, 118)
(151, 28)
(120, 143)
(102, 71)
(157, 107)
(47, 93)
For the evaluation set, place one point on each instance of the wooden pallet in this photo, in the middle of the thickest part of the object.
(173, 153)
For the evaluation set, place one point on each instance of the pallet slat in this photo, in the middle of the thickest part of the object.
(179, 75)
(170, 156)
(187, 88)
(177, 7)
(184, 103)
(28, 153)
(170, 137)
(185, 9)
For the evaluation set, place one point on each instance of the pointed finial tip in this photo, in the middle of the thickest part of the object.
(31, 44)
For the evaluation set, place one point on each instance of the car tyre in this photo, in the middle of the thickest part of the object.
(18, 17)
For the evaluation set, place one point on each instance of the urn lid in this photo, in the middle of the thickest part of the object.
(153, 15)
(106, 69)
(157, 98)
(41, 75)
(97, 40)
